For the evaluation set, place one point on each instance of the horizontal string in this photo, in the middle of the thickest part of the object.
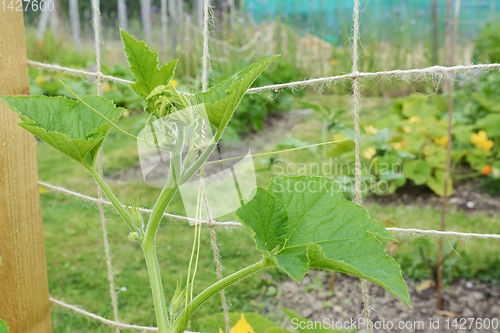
(142, 210)
(396, 73)
(77, 71)
(101, 319)
(323, 80)
(238, 224)
(444, 233)
(104, 320)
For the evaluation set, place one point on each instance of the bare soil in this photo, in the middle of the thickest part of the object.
(462, 299)
(466, 196)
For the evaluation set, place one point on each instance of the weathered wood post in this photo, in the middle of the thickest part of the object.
(24, 294)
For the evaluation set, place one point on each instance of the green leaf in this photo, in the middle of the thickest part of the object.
(462, 133)
(418, 171)
(436, 183)
(3, 327)
(307, 325)
(489, 103)
(222, 100)
(423, 106)
(277, 329)
(67, 125)
(477, 159)
(435, 156)
(320, 229)
(382, 136)
(490, 124)
(144, 65)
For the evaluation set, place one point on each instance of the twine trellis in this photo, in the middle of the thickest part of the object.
(438, 73)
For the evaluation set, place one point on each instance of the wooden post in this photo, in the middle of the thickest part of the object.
(24, 294)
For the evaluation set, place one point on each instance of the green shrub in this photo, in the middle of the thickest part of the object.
(487, 48)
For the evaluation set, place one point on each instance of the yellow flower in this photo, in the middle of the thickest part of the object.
(480, 140)
(106, 87)
(242, 326)
(396, 145)
(174, 83)
(487, 146)
(368, 54)
(338, 137)
(40, 80)
(369, 153)
(406, 129)
(414, 119)
(442, 141)
(41, 190)
(334, 62)
(371, 130)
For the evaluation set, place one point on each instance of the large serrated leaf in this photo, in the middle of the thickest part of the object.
(3, 327)
(318, 228)
(144, 65)
(222, 100)
(67, 125)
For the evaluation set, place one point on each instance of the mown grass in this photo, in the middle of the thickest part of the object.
(76, 261)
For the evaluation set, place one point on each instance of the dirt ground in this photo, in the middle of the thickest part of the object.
(465, 197)
(464, 299)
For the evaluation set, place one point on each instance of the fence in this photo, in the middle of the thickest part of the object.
(26, 302)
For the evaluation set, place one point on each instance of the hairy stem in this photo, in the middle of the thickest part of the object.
(182, 320)
(161, 204)
(149, 248)
(160, 304)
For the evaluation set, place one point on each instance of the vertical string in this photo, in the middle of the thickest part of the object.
(356, 98)
(218, 264)
(213, 239)
(96, 16)
(450, 52)
(206, 54)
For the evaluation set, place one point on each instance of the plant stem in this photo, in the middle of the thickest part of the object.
(161, 204)
(160, 304)
(114, 200)
(182, 320)
(149, 248)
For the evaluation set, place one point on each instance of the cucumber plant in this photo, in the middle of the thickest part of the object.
(297, 223)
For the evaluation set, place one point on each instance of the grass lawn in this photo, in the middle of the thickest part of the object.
(76, 261)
